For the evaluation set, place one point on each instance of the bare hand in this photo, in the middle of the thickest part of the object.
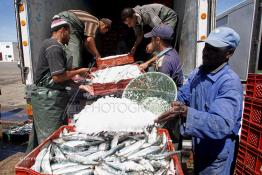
(149, 48)
(98, 56)
(143, 66)
(178, 110)
(133, 50)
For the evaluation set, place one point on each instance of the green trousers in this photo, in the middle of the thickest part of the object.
(49, 114)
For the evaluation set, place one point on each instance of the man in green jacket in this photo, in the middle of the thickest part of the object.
(150, 14)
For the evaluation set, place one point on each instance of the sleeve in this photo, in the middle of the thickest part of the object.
(90, 29)
(220, 118)
(138, 29)
(150, 14)
(56, 59)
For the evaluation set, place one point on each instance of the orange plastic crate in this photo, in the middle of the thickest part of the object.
(253, 110)
(254, 85)
(252, 135)
(116, 61)
(250, 158)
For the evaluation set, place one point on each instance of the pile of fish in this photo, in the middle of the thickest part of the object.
(21, 130)
(115, 74)
(107, 153)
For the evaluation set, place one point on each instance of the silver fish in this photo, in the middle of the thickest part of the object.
(145, 151)
(60, 165)
(163, 155)
(71, 169)
(38, 161)
(45, 165)
(131, 148)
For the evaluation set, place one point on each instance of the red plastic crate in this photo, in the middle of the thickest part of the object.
(107, 88)
(254, 85)
(116, 61)
(252, 135)
(24, 165)
(253, 110)
(252, 159)
(240, 169)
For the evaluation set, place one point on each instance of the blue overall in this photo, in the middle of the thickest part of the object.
(213, 119)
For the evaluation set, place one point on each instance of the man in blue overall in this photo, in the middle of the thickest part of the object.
(210, 106)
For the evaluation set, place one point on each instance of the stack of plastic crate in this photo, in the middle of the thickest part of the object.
(249, 158)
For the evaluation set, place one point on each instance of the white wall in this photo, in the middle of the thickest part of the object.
(9, 51)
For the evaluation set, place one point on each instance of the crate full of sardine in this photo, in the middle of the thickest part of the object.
(67, 151)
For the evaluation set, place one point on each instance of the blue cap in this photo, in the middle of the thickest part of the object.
(162, 31)
(223, 37)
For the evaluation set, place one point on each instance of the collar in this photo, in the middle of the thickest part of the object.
(139, 18)
(163, 52)
(214, 75)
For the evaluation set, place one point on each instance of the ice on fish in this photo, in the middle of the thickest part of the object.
(114, 114)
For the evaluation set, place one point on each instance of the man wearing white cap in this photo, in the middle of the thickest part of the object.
(210, 106)
(49, 95)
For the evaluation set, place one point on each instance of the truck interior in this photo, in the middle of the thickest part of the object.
(120, 38)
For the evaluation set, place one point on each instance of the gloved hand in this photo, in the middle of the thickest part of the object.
(178, 109)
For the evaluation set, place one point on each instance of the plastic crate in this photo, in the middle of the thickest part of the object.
(250, 158)
(23, 166)
(240, 169)
(107, 88)
(253, 110)
(254, 85)
(171, 147)
(114, 61)
(252, 135)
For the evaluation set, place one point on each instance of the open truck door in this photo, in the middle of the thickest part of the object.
(33, 19)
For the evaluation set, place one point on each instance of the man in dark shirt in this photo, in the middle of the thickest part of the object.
(49, 95)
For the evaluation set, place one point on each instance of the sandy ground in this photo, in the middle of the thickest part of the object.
(12, 89)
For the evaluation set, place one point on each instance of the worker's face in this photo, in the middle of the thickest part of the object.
(65, 35)
(155, 41)
(103, 28)
(130, 22)
(213, 57)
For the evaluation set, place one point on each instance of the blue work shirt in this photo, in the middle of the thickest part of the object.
(169, 64)
(213, 119)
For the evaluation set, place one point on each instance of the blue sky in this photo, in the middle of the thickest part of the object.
(7, 16)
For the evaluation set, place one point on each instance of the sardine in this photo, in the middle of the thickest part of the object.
(45, 165)
(38, 161)
(131, 148)
(71, 169)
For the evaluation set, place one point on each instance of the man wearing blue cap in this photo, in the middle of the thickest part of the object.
(167, 59)
(210, 106)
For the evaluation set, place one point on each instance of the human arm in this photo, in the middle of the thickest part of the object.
(56, 60)
(139, 38)
(219, 118)
(67, 75)
(91, 47)
(145, 65)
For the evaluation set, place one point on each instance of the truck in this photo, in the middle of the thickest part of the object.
(245, 18)
(33, 18)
